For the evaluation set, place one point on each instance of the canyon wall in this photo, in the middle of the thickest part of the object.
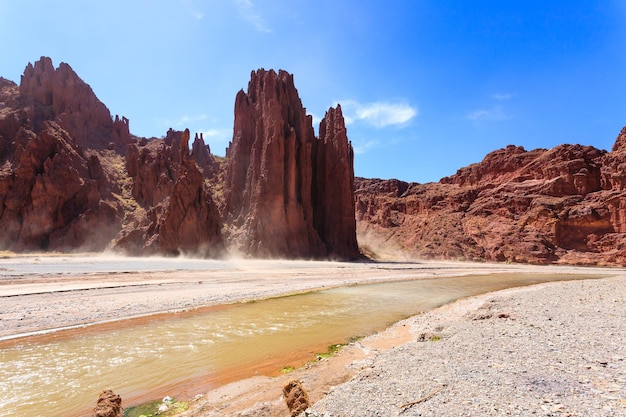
(74, 178)
(561, 205)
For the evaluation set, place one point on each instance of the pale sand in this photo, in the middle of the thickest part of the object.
(381, 373)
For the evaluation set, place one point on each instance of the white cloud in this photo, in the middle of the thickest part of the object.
(183, 121)
(494, 114)
(218, 135)
(362, 148)
(502, 96)
(378, 114)
(246, 10)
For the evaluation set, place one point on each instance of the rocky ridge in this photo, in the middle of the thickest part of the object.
(74, 178)
(560, 205)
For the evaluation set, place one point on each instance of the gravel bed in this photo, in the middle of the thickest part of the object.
(549, 350)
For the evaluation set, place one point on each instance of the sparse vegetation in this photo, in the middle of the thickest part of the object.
(151, 409)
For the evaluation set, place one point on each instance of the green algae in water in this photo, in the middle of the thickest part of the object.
(151, 409)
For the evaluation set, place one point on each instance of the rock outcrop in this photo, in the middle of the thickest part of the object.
(53, 195)
(59, 94)
(176, 214)
(296, 398)
(109, 405)
(333, 187)
(72, 178)
(201, 154)
(274, 190)
(562, 205)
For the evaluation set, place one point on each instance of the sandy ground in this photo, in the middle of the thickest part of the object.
(416, 364)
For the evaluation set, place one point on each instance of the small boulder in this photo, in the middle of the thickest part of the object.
(296, 398)
(109, 405)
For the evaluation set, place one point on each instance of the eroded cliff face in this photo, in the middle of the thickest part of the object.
(54, 192)
(74, 178)
(64, 183)
(275, 184)
(562, 205)
(175, 213)
(333, 187)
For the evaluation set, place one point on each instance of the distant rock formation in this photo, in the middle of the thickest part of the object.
(179, 215)
(562, 205)
(201, 154)
(64, 177)
(73, 178)
(109, 405)
(59, 94)
(274, 190)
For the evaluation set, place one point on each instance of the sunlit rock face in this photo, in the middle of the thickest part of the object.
(55, 192)
(278, 200)
(559, 205)
(72, 178)
(176, 215)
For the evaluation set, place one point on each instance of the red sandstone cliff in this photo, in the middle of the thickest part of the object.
(175, 213)
(64, 184)
(275, 187)
(73, 178)
(333, 187)
(54, 193)
(562, 205)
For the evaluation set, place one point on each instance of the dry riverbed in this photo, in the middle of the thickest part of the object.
(551, 349)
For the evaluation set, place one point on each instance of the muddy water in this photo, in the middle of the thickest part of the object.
(184, 354)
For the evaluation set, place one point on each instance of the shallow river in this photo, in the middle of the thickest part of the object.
(61, 374)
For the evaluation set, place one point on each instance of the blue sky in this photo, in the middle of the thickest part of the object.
(427, 86)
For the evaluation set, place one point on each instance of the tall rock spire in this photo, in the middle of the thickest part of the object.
(271, 201)
(333, 187)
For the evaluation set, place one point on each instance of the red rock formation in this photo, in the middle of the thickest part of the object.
(180, 215)
(333, 187)
(201, 153)
(51, 193)
(272, 204)
(563, 205)
(269, 174)
(59, 94)
(109, 405)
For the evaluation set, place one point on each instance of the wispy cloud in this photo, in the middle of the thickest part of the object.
(361, 148)
(183, 121)
(502, 96)
(247, 11)
(378, 114)
(494, 114)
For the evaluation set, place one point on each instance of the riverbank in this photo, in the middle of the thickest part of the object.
(37, 298)
(42, 293)
(556, 349)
